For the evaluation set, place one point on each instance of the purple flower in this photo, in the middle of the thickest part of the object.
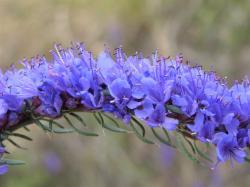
(158, 118)
(156, 92)
(243, 136)
(14, 103)
(131, 86)
(3, 168)
(3, 107)
(228, 149)
(241, 99)
(198, 123)
(2, 150)
(51, 101)
(108, 68)
(93, 99)
(120, 90)
(231, 123)
(206, 133)
(21, 86)
(144, 110)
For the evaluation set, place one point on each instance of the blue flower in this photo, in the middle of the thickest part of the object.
(158, 119)
(156, 92)
(51, 102)
(231, 123)
(120, 90)
(21, 86)
(14, 103)
(187, 104)
(207, 131)
(3, 107)
(228, 149)
(241, 99)
(198, 123)
(92, 100)
(243, 136)
(144, 110)
(131, 86)
(108, 68)
(3, 168)
(2, 150)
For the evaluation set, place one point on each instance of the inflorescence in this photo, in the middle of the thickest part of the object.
(162, 92)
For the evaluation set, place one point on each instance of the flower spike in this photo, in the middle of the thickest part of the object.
(182, 104)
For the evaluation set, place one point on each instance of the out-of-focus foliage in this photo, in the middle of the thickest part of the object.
(207, 32)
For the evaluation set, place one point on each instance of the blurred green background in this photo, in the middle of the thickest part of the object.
(211, 33)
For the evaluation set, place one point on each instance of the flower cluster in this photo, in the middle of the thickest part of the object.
(131, 86)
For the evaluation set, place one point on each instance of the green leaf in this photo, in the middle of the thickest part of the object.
(16, 144)
(51, 125)
(190, 144)
(247, 159)
(140, 125)
(140, 136)
(97, 119)
(100, 118)
(202, 154)
(78, 118)
(62, 131)
(52, 122)
(167, 135)
(42, 126)
(85, 133)
(111, 119)
(174, 109)
(184, 150)
(27, 129)
(110, 127)
(161, 139)
(12, 162)
(18, 135)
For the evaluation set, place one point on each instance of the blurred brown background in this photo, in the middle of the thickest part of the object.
(210, 33)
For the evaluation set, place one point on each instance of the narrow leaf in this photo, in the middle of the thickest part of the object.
(140, 136)
(51, 125)
(111, 119)
(167, 135)
(78, 118)
(42, 126)
(53, 122)
(184, 150)
(174, 109)
(12, 162)
(247, 159)
(27, 129)
(97, 119)
(15, 144)
(140, 125)
(110, 127)
(85, 133)
(19, 135)
(202, 154)
(190, 144)
(62, 131)
(57, 130)
(161, 139)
